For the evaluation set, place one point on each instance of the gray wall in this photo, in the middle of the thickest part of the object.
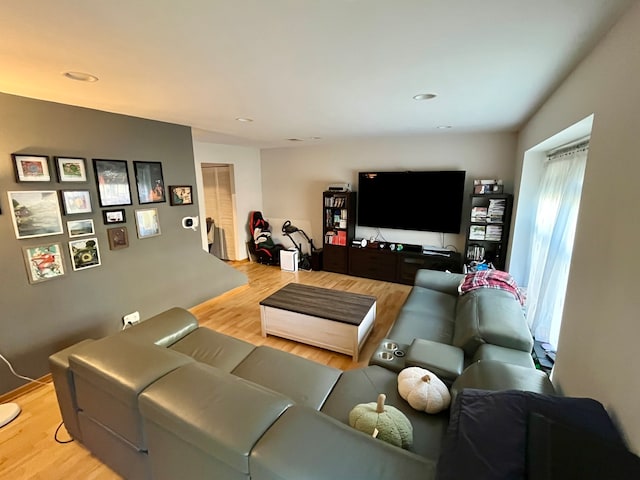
(150, 276)
(600, 327)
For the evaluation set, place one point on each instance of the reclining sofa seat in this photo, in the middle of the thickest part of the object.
(483, 324)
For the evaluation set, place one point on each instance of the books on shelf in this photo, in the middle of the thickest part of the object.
(479, 214)
(335, 202)
(495, 212)
(336, 237)
(477, 232)
(493, 233)
(475, 253)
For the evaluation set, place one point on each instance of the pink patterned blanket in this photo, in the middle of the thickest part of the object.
(491, 279)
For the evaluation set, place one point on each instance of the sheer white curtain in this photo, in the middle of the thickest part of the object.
(555, 226)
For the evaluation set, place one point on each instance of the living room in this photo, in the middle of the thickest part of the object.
(599, 327)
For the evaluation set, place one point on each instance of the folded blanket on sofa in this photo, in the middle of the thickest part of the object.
(490, 279)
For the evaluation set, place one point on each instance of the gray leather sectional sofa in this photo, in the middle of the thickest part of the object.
(169, 399)
(439, 329)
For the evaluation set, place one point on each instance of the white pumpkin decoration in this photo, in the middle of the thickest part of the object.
(423, 390)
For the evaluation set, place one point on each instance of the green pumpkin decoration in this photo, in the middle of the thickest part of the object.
(391, 424)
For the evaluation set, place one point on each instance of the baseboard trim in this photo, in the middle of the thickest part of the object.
(24, 389)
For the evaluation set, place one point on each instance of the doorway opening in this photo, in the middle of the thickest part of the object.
(219, 207)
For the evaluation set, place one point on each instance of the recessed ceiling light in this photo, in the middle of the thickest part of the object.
(295, 139)
(444, 127)
(244, 119)
(81, 76)
(315, 138)
(425, 96)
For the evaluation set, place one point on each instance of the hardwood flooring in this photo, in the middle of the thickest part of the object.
(27, 447)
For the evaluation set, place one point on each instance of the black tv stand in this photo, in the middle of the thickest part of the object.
(399, 266)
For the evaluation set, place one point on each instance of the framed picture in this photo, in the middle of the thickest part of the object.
(80, 228)
(149, 182)
(84, 253)
(147, 222)
(71, 169)
(118, 238)
(43, 262)
(180, 195)
(114, 216)
(31, 168)
(76, 201)
(35, 213)
(112, 178)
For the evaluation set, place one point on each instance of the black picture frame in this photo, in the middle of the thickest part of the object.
(180, 195)
(76, 201)
(112, 180)
(149, 182)
(31, 168)
(71, 169)
(114, 216)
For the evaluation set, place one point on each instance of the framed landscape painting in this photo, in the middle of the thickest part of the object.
(71, 169)
(43, 262)
(80, 228)
(35, 213)
(112, 179)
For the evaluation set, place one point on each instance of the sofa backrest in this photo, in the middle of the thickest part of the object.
(492, 316)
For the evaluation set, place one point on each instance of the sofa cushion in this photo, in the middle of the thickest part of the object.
(503, 354)
(305, 444)
(487, 434)
(305, 382)
(214, 348)
(494, 375)
(427, 314)
(363, 386)
(490, 316)
(445, 361)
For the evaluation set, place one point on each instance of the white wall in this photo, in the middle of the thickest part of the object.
(248, 186)
(600, 328)
(293, 179)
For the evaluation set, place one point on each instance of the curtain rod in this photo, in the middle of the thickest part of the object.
(570, 145)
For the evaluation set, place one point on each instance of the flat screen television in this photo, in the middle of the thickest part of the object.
(428, 201)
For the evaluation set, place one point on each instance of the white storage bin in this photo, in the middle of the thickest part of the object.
(289, 260)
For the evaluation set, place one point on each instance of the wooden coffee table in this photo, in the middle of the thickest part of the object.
(331, 319)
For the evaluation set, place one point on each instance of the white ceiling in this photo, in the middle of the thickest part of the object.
(334, 69)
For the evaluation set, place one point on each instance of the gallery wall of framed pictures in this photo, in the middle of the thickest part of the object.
(39, 213)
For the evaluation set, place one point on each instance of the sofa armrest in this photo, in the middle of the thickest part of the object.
(444, 282)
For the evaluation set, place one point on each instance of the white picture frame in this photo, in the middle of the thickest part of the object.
(80, 228)
(35, 213)
(84, 253)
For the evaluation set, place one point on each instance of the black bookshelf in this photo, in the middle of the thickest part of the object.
(488, 232)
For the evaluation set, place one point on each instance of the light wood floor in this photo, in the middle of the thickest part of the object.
(27, 447)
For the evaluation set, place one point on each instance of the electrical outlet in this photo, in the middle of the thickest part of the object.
(131, 318)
